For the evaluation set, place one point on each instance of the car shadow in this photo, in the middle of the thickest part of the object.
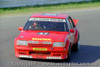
(86, 54)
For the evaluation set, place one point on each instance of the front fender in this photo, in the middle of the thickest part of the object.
(67, 44)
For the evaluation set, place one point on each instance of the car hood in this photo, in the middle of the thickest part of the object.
(53, 35)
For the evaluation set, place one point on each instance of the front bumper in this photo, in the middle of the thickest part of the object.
(50, 53)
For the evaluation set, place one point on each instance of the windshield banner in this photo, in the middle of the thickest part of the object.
(47, 19)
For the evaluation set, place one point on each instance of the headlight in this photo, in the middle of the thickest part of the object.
(20, 42)
(58, 44)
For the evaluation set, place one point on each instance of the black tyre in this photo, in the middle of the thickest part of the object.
(69, 53)
(75, 47)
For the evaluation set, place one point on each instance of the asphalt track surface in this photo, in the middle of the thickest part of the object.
(87, 56)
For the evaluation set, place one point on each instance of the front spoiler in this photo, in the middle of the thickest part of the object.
(42, 57)
(39, 56)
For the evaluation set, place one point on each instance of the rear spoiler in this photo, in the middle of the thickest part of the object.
(75, 21)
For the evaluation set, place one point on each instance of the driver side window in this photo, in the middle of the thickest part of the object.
(71, 23)
(69, 26)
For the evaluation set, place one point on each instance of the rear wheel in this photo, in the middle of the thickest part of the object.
(75, 46)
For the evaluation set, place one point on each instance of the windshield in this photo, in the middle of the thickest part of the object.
(46, 26)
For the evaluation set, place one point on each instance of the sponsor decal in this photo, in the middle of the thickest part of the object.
(25, 56)
(40, 49)
(47, 19)
(45, 39)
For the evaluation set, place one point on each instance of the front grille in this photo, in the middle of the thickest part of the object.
(36, 42)
(39, 45)
(44, 42)
(56, 54)
(40, 53)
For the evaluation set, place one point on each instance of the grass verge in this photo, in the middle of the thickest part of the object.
(48, 8)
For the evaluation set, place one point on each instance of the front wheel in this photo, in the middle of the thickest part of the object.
(76, 45)
(69, 53)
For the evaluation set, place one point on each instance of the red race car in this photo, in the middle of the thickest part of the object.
(47, 36)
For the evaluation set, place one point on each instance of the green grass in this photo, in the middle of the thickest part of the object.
(48, 8)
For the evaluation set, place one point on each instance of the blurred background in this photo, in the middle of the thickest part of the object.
(20, 3)
(33, 6)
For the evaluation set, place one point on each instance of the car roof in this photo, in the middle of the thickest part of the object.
(49, 15)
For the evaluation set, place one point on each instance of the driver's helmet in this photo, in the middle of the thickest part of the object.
(34, 24)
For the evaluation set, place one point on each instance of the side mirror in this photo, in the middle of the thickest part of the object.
(20, 28)
(72, 30)
(75, 21)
